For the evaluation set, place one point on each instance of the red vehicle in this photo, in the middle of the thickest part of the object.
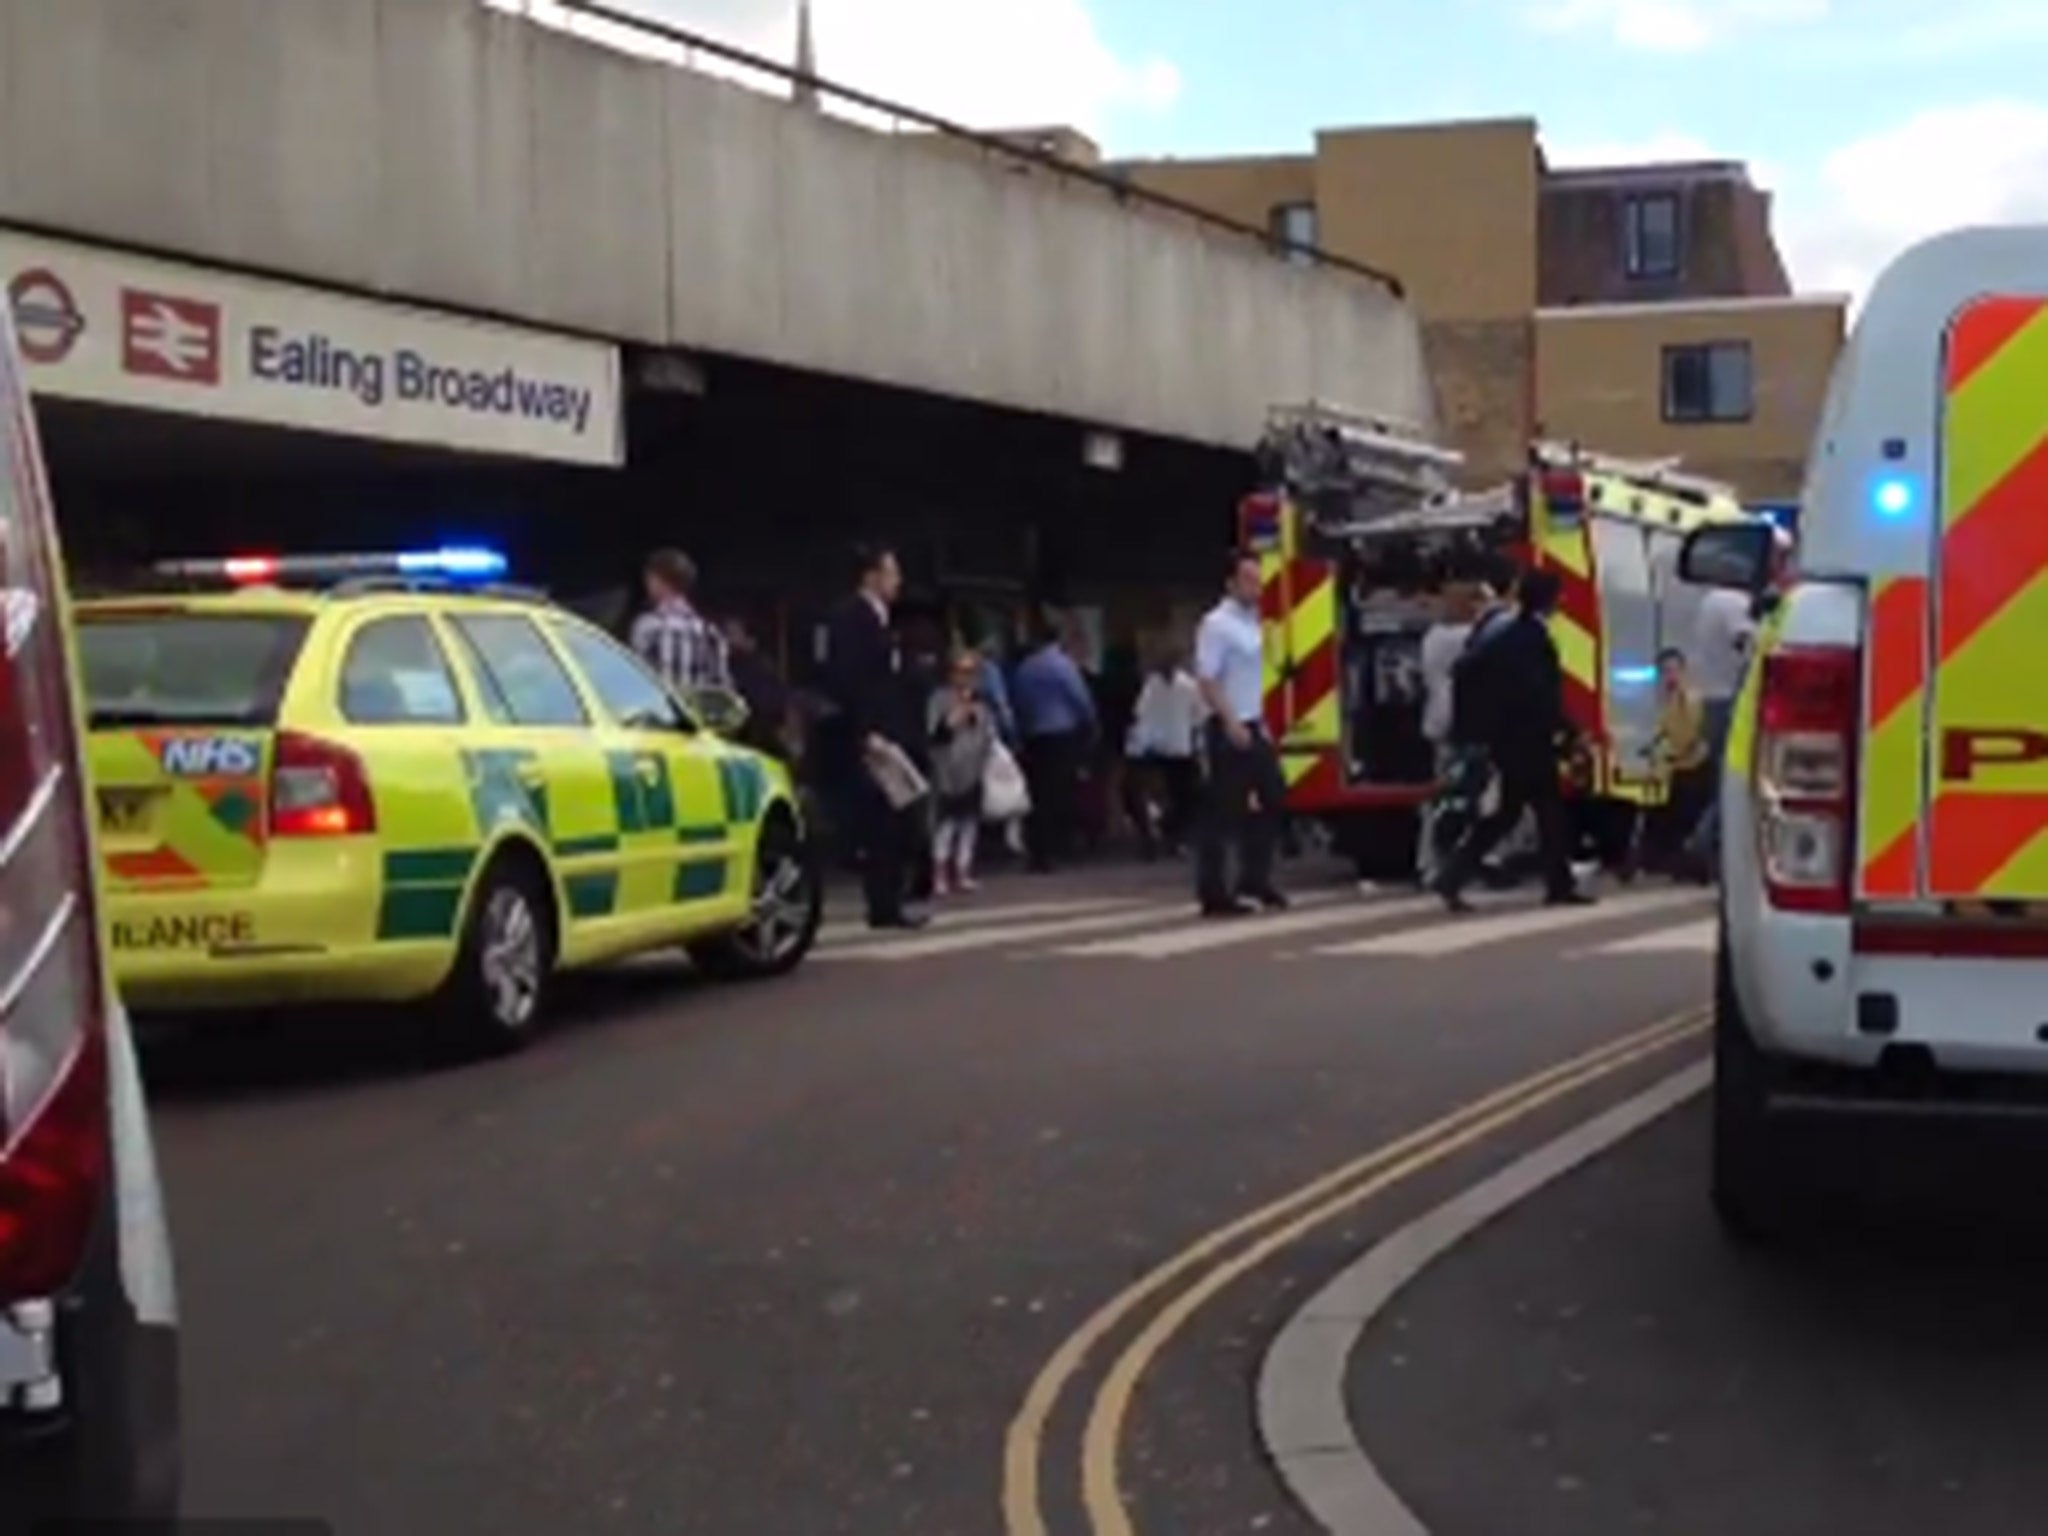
(88, 1321)
(1357, 527)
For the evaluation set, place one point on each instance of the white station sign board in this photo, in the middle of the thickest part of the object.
(103, 326)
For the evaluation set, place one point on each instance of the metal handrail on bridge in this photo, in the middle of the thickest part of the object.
(1118, 187)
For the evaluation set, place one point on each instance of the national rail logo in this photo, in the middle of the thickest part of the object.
(166, 336)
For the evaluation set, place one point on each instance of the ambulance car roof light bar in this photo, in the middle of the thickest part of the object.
(452, 562)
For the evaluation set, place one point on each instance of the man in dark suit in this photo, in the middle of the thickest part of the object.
(862, 687)
(1509, 699)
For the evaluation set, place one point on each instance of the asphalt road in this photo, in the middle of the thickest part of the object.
(1617, 1366)
(786, 1259)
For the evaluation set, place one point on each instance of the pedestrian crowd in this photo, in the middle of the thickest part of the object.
(924, 748)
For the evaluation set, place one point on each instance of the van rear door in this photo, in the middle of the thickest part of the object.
(1955, 774)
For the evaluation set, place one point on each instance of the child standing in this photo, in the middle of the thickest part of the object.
(963, 734)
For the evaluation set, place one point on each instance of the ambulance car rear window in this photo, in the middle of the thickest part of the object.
(187, 668)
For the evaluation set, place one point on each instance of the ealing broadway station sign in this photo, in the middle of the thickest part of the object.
(104, 326)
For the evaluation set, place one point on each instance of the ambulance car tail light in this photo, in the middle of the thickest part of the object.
(53, 994)
(318, 789)
(1806, 774)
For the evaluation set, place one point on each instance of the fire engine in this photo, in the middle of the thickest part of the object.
(1358, 523)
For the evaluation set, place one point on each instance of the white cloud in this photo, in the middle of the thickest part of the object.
(1673, 26)
(1984, 163)
(984, 63)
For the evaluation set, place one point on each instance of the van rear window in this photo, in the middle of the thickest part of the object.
(186, 668)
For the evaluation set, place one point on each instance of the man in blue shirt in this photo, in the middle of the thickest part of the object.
(1056, 717)
(1245, 789)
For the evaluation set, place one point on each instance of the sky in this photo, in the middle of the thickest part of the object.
(1874, 122)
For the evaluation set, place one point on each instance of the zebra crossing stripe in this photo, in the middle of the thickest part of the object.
(925, 946)
(1694, 938)
(853, 931)
(1458, 934)
(1176, 942)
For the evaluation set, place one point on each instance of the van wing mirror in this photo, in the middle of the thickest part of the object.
(717, 709)
(1731, 555)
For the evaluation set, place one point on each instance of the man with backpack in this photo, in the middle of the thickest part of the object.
(1508, 699)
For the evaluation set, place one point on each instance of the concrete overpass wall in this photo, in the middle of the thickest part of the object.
(441, 152)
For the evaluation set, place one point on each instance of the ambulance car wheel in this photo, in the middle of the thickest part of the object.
(497, 994)
(789, 904)
(1749, 1192)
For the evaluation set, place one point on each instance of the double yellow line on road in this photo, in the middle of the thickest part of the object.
(1207, 1267)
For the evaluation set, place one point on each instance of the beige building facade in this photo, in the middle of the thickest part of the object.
(1641, 310)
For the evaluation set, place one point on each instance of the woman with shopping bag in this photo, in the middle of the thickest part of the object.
(964, 739)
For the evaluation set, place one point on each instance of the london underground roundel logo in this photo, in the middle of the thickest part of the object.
(47, 318)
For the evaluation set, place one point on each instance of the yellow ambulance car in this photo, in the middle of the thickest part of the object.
(1884, 805)
(396, 779)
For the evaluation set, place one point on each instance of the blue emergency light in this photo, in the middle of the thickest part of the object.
(1892, 496)
(1634, 677)
(454, 560)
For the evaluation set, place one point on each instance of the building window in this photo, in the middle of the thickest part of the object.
(1710, 382)
(1293, 226)
(1650, 235)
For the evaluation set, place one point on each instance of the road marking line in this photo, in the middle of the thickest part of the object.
(1458, 935)
(995, 935)
(1693, 938)
(1023, 1442)
(853, 930)
(1303, 1415)
(1175, 942)
(1103, 1436)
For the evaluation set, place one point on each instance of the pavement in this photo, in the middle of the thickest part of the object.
(1616, 1365)
(811, 1256)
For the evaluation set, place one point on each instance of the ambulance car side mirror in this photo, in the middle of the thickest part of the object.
(1732, 555)
(717, 709)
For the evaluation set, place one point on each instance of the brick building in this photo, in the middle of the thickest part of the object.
(1642, 310)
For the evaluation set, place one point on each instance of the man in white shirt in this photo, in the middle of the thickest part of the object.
(1724, 634)
(1245, 789)
(1160, 756)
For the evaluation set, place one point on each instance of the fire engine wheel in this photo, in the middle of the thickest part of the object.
(496, 996)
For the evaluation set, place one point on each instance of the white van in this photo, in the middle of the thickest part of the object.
(1884, 853)
(88, 1320)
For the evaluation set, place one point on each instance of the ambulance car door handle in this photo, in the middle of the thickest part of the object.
(530, 774)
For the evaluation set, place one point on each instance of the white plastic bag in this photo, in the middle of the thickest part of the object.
(1004, 794)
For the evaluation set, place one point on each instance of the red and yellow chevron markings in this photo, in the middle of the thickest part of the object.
(1986, 832)
(1303, 677)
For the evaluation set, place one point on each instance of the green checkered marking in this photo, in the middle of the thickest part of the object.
(701, 834)
(592, 895)
(236, 810)
(422, 895)
(643, 794)
(582, 847)
(498, 795)
(700, 879)
(744, 788)
(418, 912)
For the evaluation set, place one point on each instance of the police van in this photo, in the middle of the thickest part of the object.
(1884, 919)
